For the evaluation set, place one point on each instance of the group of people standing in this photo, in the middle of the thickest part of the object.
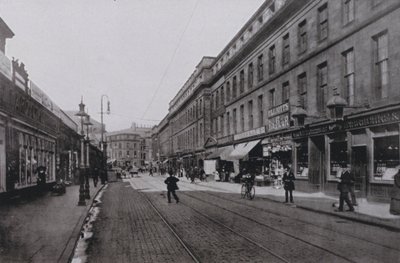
(345, 184)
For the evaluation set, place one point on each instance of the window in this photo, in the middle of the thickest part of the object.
(348, 59)
(250, 113)
(285, 92)
(348, 11)
(222, 125)
(201, 130)
(212, 101)
(260, 68)
(222, 95)
(260, 111)
(386, 157)
(241, 81)
(338, 157)
(217, 100)
(322, 78)
(228, 91)
(234, 87)
(228, 124)
(285, 50)
(302, 90)
(323, 22)
(272, 59)
(302, 159)
(127, 153)
(381, 65)
(302, 36)
(242, 118)
(272, 98)
(201, 107)
(250, 76)
(234, 121)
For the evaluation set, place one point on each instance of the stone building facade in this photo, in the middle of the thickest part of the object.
(130, 147)
(314, 84)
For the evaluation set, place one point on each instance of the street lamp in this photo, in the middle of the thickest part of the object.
(82, 114)
(87, 123)
(103, 144)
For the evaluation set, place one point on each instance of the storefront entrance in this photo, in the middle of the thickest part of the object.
(317, 163)
(359, 168)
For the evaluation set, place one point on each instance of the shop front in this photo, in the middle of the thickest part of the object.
(366, 143)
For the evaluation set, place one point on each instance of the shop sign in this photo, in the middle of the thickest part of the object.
(311, 131)
(375, 119)
(278, 110)
(251, 133)
(278, 140)
(225, 140)
(278, 122)
(27, 108)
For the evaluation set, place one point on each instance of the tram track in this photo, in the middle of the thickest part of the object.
(186, 247)
(250, 240)
(264, 225)
(259, 244)
(270, 211)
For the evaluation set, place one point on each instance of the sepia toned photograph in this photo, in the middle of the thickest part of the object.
(154, 131)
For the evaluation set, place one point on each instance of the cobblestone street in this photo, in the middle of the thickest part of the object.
(136, 224)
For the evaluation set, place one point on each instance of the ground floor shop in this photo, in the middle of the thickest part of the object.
(367, 144)
(23, 149)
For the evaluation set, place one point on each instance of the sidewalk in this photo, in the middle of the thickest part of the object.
(372, 213)
(44, 228)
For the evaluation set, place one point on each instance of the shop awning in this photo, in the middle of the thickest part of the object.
(111, 161)
(227, 151)
(242, 150)
(219, 153)
(165, 161)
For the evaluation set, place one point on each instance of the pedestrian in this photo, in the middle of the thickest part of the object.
(288, 183)
(203, 176)
(344, 187)
(172, 186)
(41, 177)
(151, 171)
(352, 181)
(95, 176)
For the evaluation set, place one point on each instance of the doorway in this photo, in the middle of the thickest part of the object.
(317, 162)
(359, 169)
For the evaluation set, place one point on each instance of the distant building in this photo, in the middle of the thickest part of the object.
(131, 146)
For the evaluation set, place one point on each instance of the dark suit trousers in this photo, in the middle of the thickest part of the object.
(169, 195)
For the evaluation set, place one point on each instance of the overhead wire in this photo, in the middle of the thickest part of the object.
(171, 60)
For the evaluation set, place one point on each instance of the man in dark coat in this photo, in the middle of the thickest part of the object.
(344, 186)
(172, 186)
(288, 184)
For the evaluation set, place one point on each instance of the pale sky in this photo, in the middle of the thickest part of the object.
(126, 49)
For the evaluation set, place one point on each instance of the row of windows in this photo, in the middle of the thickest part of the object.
(380, 88)
(194, 111)
(232, 93)
(191, 138)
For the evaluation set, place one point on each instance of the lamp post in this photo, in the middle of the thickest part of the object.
(82, 114)
(104, 144)
(87, 123)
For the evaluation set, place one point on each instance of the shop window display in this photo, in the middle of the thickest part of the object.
(338, 154)
(386, 157)
(302, 160)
